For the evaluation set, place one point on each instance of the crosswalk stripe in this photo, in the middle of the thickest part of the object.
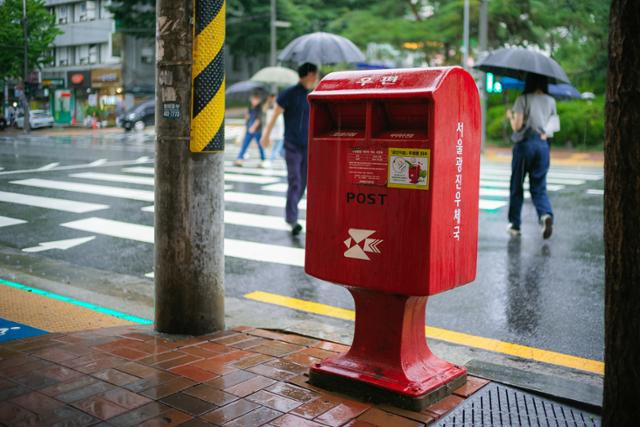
(491, 205)
(558, 181)
(6, 221)
(595, 192)
(140, 169)
(50, 203)
(250, 220)
(588, 176)
(280, 187)
(495, 192)
(260, 221)
(233, 177)
(101, 190)
(506, 184)
(256, 171)
(142, 180)
(232, 247)
(260, 199)
(249, 179)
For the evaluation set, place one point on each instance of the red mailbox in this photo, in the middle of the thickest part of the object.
(392, 214)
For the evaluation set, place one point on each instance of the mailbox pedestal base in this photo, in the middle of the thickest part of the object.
(389, 360)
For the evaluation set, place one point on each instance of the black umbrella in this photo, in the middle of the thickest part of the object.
(321, 48)
(517, 62)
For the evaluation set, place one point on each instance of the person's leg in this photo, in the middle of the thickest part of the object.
(245, 144)
(538, 178)
(293, 159)
(516, 195)
(303, 173)
(278, 149)
(257, 136)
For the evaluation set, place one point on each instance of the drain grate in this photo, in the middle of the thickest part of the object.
(498, 405)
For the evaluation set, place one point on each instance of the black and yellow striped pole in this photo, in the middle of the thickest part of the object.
(189, 167)
(207, 111)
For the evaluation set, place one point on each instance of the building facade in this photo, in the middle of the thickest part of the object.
(95, 70)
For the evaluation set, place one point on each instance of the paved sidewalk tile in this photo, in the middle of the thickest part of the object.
(132, 376)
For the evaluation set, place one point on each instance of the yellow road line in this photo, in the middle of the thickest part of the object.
(525, 352)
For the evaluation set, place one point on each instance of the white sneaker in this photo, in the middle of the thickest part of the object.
(547, 225)
(265, 164)
(513, 232)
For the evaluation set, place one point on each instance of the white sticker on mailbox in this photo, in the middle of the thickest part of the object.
(359, 244)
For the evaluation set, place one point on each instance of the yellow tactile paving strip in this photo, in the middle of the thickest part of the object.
(51, 315)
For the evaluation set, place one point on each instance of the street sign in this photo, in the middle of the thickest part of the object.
(13, 331)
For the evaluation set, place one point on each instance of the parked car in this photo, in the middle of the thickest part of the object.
(139, 117)
(37, 119)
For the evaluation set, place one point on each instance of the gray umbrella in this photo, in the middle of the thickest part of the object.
(321, 48)
(245, 87)
(517, 62)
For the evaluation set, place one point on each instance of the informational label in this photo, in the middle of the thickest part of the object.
(409, 168)
(367, 166)
(171, 110)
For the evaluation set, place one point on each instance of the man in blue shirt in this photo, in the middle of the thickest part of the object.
(292, 102)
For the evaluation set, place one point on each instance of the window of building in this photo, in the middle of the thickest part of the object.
(62, 58)
(62, 13)
(146, 54)
(82, 54)
(93, 54)
(51, 57)
(116, 45)
(91, 10)
(104, 12)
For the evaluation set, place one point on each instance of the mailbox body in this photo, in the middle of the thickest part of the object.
(393, 180)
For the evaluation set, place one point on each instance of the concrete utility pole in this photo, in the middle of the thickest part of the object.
(25, 100)
(272, 58)
(189, 204)
(482, 49)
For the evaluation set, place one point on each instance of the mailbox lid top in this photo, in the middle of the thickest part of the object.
(391, 81)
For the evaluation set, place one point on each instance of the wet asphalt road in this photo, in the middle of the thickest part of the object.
(543, 294)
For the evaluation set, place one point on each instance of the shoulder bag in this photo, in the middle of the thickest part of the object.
(523, 132)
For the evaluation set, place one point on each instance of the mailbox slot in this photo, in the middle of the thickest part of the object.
(340, 119)
(400, 119)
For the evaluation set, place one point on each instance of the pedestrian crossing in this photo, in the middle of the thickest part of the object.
(255, 199)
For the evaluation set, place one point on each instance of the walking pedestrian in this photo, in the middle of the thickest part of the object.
(532, 113)
(277, 133)
(292, 103)
(254, 122)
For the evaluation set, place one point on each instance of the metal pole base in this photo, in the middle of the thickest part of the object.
(389, 360)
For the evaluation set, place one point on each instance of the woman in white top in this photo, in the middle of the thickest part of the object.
(277, 133)
(531, 113)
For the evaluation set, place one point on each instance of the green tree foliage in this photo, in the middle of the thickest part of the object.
(135, 17)
(42, 31)
(574, 32)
